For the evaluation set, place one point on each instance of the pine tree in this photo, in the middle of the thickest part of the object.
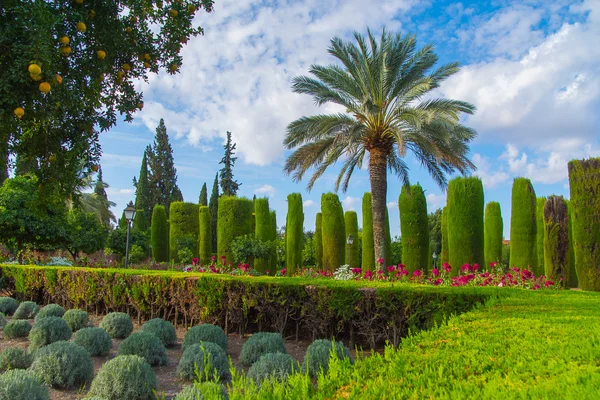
(228, 185)
(106, 215)
(142, 196)
(213, 206)
(203, 199)
(163, 179)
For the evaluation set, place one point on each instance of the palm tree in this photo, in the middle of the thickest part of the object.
(383, 86)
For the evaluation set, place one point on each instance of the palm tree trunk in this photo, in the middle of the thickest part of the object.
(378, 177)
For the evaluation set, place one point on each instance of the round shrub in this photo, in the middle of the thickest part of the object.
(205, 333)
(3, 321)
(164, 330)
(17, 328)
(76, 319)
(15, 358)
(95, 340)
(51, 310)
(26, 310)
(273, 365)
(117, 324)
(203, 390)
(63, 365)
(125, 377)
(49, 330)
(145, 345)
(18, 384)
(197, 355)
(8, 305)
(259, 344)
(318, 354)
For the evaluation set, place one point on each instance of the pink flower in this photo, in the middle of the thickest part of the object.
(438, 281)
(493, 265)
(356, 271)
(213, 258)
(446, 267)
(368, 275)
(200, 269)
(475, 267)
(391, 268)
(403, 272)
(536, 286)
(283, 271)
(435, 272)
(465, 268)
(245, 267)
(401, 266)
(548, 283)
(213, 269)
(417, 273)
(380, 261)
(268, 272)
(195, 261)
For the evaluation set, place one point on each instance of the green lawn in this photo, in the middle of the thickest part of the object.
(526, 345)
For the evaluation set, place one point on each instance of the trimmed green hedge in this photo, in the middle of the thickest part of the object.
(183, 218)
(574, 281)
(494, 232)
(529, 345)
(556, 240)
(294, 233)
(465, 222)
(540, 202)
(445, 253)
(333, 231)
(388, 239)
(523, 230)
(368, 244)
(372, 311)
(273, 238)
(205, 236)
(351, 223)
(414, 227)
(584, 182)
(262, 231)
(318, 239)
(235, 219)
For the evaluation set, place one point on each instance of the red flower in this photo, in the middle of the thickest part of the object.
(548, 283)
(391, 268)
(213, 258)
(356, 271)
(438, 281)
(465, 268)
(368, 275)
(417, 273)
(435, 272)
(268, 272)
(380, 261)
(475, 267)
(446, 267)
(283, 271)
(195, 261)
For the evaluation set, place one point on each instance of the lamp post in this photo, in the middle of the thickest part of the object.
(349, 241)
(434, 259)
(280, 261)
(129, 216)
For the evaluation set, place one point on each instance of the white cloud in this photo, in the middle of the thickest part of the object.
(118, 160)
(350, 203)
(435, 201)
(237, 76)
(265, 190)
(119, 192)
(308, 203)
(485, 171)
(392, 204)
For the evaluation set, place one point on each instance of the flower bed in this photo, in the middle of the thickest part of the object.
(362, 311)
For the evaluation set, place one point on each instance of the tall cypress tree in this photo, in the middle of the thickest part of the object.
(100, 192)
(203, 199)
(228, 185)
(163, 179)
(213, 206)
(142, 197)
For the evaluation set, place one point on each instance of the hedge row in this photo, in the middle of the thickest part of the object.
(294, 233)
(332, 226)
(363, 312)
(368, 244)
(539, 225)
(494, 232)
(183, 219)
(234, 219)
(263, 231)
(414, 227)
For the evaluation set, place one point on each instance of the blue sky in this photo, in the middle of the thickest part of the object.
(532, 68)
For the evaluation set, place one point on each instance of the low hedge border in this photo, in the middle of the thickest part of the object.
(363, 312)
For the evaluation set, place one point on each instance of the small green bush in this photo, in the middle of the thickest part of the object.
(3, 321)
(125, 377)
(203, 390)
(15, 358)
(8, 305)
(17, 328)
(18, 384)
(318, 354)
(117, 324)
(197, 357)
(51, 310)
(273, 365)
(26, 310)
(164, 330)
(77, 319)
(63, 365)
(49, 330)
(95, 340)
(259, 344)
(205, 333)
(145, 345)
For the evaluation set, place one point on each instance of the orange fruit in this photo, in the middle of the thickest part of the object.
(140, 105)
(183, 40)
(126, 67)
(65, 50)
(147, 57)
(128, 29)
(59, 79)
(34, 69)
(19, 112)
(81, 27)
(36, 77)
(44, 87)
(120, 74)
(173, 67)
(64, 40)
(101, 54)
(146, 64)
(191, 8)
(173, 12)
(95, 168)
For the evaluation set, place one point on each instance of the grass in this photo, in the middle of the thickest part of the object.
(525, 345)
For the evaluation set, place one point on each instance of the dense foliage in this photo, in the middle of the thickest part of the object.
(294, 233)
(205, 333)
(26, 310)
(494, 233)
(234, 219)
(207, 358)
(259, 344)
(351, 224)
(17, 328)
(318, 354)
(15, 358)
(125, 377)
(263, 232)
(164, 330)
(318, 240)
(49, 330)
(51, 310)
(146, 345)
(95, 340)
(63, 365)
(183, 231)
(205, 236)
(368, 249)
(556, 240)
(414, 227)
(8, 305)
(540, 203)
(523, 230)
(334, 242)
(117, 324)
(22, 385)
(273, 366)
(160, 234)
(76, 319)
(229, 186)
